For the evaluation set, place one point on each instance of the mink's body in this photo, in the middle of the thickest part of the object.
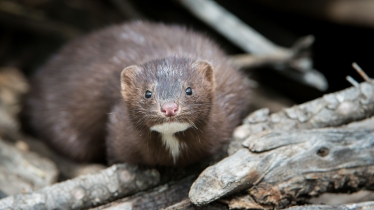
(83, 107)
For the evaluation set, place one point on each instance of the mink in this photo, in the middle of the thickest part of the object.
(141, 93)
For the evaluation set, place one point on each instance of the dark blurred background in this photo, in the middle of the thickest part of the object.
(32, 30)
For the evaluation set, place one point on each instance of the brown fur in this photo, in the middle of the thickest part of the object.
(77, 107)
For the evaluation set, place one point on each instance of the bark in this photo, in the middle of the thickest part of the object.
(157, 198)
(353, 206)
(343, 198)
(187, 205)
(279, 167)
(335, 109)
(86, 191)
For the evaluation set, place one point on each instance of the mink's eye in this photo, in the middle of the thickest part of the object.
(189, 91)
(148, 94)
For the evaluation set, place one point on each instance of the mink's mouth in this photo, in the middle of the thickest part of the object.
(159, 119)
(171, 120)
(174, 119)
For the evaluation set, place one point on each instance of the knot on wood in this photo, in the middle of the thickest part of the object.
(323, 152)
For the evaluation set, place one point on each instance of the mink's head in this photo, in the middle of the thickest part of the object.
(168, 90)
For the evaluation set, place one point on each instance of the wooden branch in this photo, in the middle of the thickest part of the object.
(335, 109)
(87, 191)
(283, 167)
(232, 28)
(263, 51)
(278, 60)
(187, 205)
(342, 198)
(353, 206)
(170, 193)
(126, 176)
(157, 198)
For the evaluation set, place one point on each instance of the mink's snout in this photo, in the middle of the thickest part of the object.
(169, 109)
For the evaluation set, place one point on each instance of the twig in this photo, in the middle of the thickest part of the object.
(361, 72)
(233, 28)
(352, 81)
(86, 191)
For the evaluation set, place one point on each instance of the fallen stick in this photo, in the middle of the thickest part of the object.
(156, 198)
(269, 159)
(86, 191)
(353, 206)
(187, 205)
(331, 110)
(232, 28)
(281, 167)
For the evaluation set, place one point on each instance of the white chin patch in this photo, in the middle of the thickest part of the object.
(167, 130)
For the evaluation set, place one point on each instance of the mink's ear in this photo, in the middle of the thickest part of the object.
(205, 69)
(128, 76)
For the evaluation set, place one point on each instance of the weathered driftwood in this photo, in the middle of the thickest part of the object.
(157, 198)
(187, 205)
(265, 170)
(335, 109)
(23, 171)
(343, 198)
(86, 191)
(252, 42)
(282, 167)
(353, 206)
(128, 177)
(232, 27)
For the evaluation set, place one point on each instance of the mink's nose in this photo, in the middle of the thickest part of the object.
(169, 109)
